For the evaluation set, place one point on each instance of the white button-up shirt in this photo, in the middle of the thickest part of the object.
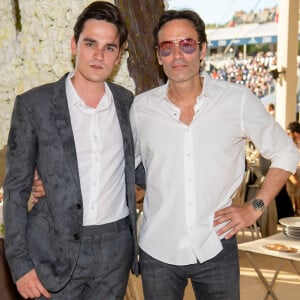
(192, 171)
(100, 155)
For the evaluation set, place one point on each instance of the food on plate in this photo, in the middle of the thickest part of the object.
(281, 248)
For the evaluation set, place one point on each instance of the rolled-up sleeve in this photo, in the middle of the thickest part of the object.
(267, 135)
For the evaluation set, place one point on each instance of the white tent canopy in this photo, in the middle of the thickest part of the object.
(245, 34)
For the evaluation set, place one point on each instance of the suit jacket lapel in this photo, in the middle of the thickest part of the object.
(122, 102)
(123, 117)
(62, 119)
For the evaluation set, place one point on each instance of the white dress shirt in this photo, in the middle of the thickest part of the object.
(192, 171)
(100, 156)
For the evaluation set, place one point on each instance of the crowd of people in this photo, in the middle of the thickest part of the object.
(253, 72)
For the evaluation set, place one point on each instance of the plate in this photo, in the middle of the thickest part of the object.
(281, 248)
(291, 222)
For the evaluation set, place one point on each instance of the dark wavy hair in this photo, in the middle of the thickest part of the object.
(189, 15)
(102, 10)
(294, 127)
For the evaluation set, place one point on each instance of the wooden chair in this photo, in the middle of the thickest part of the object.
(134, 288)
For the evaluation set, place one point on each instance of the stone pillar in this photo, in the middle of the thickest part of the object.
(287, 61)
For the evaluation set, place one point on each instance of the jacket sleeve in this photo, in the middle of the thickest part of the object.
(20, 162)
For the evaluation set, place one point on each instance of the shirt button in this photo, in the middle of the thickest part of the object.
(76, 236)
(78, 206)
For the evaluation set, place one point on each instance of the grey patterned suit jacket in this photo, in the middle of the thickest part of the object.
(48, 237)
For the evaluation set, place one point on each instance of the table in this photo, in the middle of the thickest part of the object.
(256, 246)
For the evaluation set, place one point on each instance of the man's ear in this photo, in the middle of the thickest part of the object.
(73, 47)
(203, 51)
(121, 52)
(158, 58)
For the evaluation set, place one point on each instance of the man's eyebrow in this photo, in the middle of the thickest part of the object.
(95, 41)
(112, 45)
(90, 40)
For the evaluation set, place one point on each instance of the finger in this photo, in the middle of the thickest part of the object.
(38, 189)
(43, 290)
(33, 292)
(27, 292)
(223, 212)
(37, 184)
(36, 289)
(23, 294)
(227, 229)
(222, 219)
(35, 174)
(37, 194)
(233, 231)
(33, 200)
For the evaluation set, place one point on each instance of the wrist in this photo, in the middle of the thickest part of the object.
(258, 204)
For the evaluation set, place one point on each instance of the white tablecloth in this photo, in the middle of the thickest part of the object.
(256, 246)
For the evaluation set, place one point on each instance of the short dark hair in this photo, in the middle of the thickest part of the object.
(294, 127)
(102, 10)
(188, 15)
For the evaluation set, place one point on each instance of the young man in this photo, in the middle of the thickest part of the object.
(190, 136)
(80, 241)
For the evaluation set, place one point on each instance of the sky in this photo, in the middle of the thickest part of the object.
(221, 11)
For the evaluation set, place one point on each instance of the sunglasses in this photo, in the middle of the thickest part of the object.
(187, 46)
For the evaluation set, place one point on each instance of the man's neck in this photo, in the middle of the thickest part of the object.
(185, 93)
(90, 92)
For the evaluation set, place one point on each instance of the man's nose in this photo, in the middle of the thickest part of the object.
(99, 54)
(177, 52)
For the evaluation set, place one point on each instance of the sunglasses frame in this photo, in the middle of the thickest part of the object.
(178, 42)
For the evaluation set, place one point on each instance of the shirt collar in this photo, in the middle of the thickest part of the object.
(74, 99)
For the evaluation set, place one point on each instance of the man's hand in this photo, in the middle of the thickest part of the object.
(29, 286)
(236, 218)
(37, 189)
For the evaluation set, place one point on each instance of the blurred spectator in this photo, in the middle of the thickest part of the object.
(271, 109)
(293, 184)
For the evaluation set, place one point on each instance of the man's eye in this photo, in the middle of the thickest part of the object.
(109, 49)
(187, 44)
(167, 46)
(90, 44)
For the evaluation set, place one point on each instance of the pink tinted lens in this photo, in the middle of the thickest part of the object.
(188, 46)
(166, 48)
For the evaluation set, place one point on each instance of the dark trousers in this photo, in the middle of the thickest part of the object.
(215, 279)
(103, 265)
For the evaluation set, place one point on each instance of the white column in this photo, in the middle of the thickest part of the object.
(287, 61)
